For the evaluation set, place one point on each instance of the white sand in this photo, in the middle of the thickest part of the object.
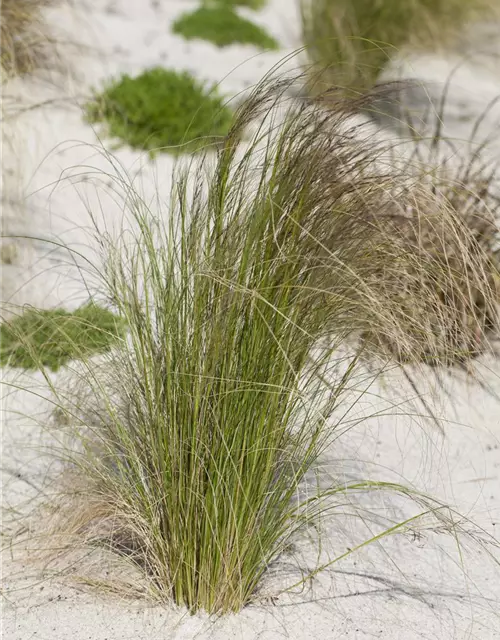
(410, 587)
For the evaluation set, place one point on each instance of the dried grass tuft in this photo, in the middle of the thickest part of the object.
(27, 43)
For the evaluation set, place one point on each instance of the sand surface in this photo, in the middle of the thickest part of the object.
(421, 584)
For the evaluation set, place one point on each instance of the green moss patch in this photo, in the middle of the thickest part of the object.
(251, 4)
(161, 108)
(49, 339)
(220, 25)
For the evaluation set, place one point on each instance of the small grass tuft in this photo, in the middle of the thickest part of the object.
(222, 26)
(161, 109)
(51, 338)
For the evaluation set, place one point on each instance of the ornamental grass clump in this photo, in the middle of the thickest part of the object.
(161, 110)
(249, 303)
(196, 433)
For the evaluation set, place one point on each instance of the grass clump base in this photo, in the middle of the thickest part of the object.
(222, 26)
(350, 41)
(49, 339)
(161, 109)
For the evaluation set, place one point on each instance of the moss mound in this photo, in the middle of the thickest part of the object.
(220, 25)
(251, 4)
(51, 338)
(161, 108)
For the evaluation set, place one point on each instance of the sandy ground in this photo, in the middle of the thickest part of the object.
(419, 584)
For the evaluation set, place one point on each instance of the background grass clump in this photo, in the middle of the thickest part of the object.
(39, 338)
(352, 40)
(443, 288)
(161, 109)
(222, 26)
